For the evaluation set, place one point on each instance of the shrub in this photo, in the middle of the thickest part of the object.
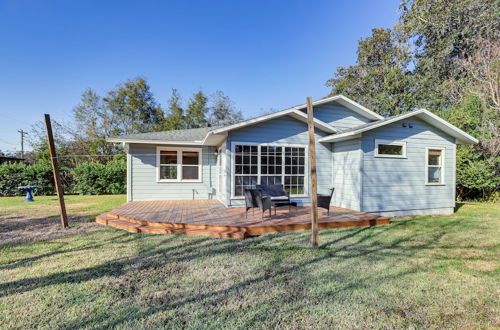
(88, 178)
(97, 179)
(17, 174)
(477, 177)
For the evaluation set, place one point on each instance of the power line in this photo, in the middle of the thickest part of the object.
(19, 121)
(7, 142)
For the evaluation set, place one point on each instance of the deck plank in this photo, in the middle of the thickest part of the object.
(213, 218)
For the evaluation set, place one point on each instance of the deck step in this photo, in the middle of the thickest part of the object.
(107, 220)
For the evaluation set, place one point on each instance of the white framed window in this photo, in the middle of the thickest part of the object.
(178, 164)
(434, 166)
(269, 164)
(390, 149)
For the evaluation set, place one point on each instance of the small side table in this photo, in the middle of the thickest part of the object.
(284, 203)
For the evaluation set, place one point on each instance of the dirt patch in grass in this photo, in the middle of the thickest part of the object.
(482, 266)
(17, 228)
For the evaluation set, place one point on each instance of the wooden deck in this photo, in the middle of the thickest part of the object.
(211, 218)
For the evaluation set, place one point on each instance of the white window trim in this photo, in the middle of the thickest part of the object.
(306, 165)
(179, 164)
(426, 167)
(392, 143)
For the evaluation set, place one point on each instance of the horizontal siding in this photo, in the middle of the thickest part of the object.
(396, 186)
(396, 213)
(284, 130)
(346, 175)
(143, 177)
(339, 116)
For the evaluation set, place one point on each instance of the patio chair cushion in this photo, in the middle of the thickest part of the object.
(279, 198)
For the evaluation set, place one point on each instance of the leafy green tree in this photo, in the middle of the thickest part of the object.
(93, 124)
(197, 110)
(175, 118)
(223, 111)
(380, 79)
(444, 32)
(477, 176)
(134, 108)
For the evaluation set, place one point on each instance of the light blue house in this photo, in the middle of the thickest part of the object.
(402, 165)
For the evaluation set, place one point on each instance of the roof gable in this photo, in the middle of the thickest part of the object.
(215, 135)
(425, 115)
(347, 103)
(294, 113)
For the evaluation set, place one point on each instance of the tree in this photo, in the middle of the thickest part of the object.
(175, 117)
(444, 32)
(94, 123)
(134, 107)
(483, 70)
(223, 111)
(197, 111)
(380, 79)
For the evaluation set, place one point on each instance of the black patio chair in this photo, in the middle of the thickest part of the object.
(255, 199)
(325, 200)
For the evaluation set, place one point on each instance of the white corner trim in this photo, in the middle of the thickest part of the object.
(179, 164)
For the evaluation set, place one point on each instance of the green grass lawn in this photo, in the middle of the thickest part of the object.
(440, 271)
(88, 206)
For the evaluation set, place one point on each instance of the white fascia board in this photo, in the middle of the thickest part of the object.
(350, 104)
(317, 123)
(214, 139)
(292, 112)
(336, 137)
(251, 121)
(427, 116)
(347, 102)
(461, 136)
(118, 140)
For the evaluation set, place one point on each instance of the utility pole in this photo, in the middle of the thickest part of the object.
(22, 141)
(314, 182)
(55, 171)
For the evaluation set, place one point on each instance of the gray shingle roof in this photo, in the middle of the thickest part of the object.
(188, 135)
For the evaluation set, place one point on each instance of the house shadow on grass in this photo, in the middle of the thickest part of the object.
(282, 257)
(458, 206)
(15, 229)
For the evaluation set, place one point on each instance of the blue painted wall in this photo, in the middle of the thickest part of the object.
(284, 130)
(347, 161)
(142, 177)
(338, 116)
(394, 186)
(389, 186)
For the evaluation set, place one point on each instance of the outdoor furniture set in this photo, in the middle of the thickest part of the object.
(266, 197)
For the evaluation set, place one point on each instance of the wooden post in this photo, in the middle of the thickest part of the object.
(55, 171)
(314, 182)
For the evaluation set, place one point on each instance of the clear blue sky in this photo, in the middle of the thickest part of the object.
(263, 54)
